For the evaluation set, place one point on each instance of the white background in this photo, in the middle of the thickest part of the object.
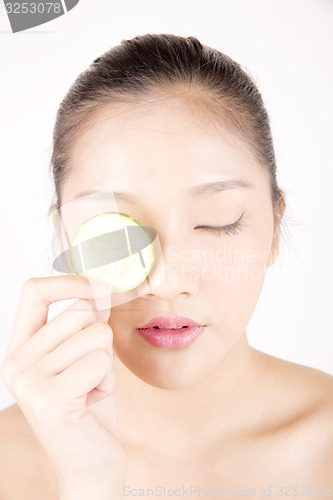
(287, 48)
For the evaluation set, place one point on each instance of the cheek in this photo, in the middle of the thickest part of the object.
(233, 278)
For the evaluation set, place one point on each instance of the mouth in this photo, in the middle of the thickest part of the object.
(171, 338)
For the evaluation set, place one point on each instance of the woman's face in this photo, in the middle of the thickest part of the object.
(158, 154)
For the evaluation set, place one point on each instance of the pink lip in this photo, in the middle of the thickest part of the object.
(168, 338)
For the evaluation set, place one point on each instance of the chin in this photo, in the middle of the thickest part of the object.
(178, 376)
(169, 369)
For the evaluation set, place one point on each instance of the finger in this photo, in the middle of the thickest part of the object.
(100, 303)
(94, 371)
(96, 336)
(102, 306)
(36, 297)
(53, 334)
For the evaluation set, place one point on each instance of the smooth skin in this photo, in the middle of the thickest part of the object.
(216, 413)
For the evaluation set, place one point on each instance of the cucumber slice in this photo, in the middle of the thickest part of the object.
(113, 248)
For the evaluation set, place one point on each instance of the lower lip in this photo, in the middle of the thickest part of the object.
(171, 339)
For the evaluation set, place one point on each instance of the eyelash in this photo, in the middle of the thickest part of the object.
(230, 229)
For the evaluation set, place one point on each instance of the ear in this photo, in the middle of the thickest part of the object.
(65, 267)
(55, 217)
(277, 231)
(54, 212)
(275, 246)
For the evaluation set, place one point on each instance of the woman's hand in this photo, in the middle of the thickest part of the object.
(61, 375)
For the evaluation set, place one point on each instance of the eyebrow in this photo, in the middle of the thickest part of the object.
(199, 190)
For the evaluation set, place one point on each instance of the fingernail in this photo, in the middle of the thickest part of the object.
(103, 314)
(103, 307)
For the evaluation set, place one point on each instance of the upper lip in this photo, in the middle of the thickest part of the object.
(170, 322)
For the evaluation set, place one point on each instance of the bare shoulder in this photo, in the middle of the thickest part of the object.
(302, 399)
(309, 386)
(25, 471)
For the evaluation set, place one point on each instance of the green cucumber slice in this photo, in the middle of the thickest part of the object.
(113, 248)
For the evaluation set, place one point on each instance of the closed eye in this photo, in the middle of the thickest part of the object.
(230, 229)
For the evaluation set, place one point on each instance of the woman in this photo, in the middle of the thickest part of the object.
(106, 408)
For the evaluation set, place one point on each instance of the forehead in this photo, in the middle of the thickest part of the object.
(134, 146)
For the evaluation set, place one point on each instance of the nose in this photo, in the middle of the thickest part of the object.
(174, 273)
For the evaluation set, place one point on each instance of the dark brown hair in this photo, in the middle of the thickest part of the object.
(153, 65)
